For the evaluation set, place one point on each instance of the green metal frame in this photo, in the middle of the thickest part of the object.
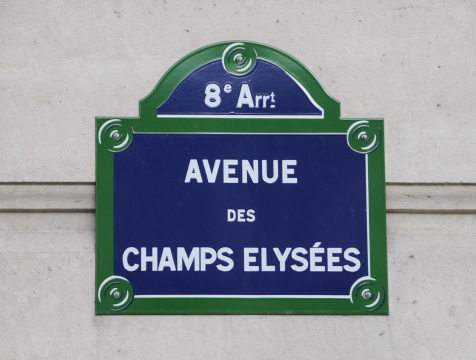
(363, 296)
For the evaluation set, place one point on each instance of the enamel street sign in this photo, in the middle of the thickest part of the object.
(240, 190)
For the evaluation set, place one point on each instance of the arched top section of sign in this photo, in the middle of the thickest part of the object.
(239, 79)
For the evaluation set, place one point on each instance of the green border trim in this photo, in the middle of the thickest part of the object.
(147, 122)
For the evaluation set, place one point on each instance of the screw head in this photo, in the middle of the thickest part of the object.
(239, 58)
(367, 295)
(116, 136)
(364, 137)
(116, 294)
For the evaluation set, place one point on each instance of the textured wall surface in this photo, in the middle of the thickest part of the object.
(64, 62)
(47, 270)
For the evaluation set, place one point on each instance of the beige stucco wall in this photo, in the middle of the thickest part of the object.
(64, 62)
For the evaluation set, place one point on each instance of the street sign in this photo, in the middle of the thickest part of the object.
(240, 190)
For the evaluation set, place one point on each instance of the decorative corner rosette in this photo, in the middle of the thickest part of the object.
(114, 136)
(239, 59)
(115, 293)
(368, 294)
(364, 137)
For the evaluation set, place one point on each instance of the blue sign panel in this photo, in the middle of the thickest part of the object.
(223, 214)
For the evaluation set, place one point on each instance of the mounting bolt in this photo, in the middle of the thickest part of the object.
(367, 295)
(116, 136)
(116, 294)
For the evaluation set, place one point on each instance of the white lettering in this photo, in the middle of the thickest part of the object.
(245, 97)
(333, 259)
(231, 215)
(265, 100)
(226, 259)
(249, 259)
(166, 260)
(212, 174)
(313, 259)
(144, 259)
(352, 259)
(300, 259)
(248, 170)
(264, 260)
(188, 260)
(257, 99)
(193, 172)
(227, 171)
(241, 215)
(252, 171)
(264, 171)
(287, 171)
(251, 215)
(212, 95)
(204, 260)
(125, 262)
(282, 257)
